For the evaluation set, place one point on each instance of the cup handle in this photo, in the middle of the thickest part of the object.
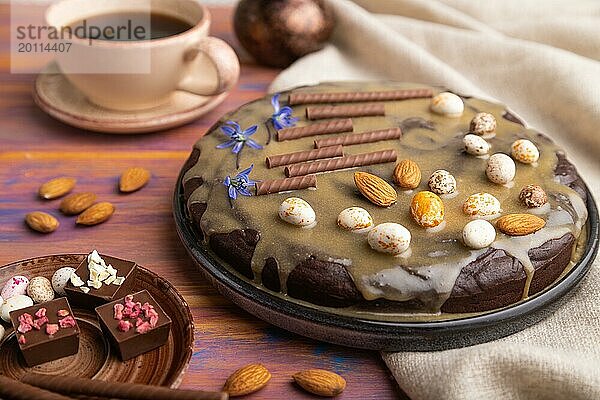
(222, 62)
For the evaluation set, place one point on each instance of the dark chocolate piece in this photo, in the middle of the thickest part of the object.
(270, 275)
(323, 283)
(333, 164)
(105, 293)
(306, 155)
(236, 248)
(269, 186)
(345, 111)
(72, 385)
(495, 279)
(359, 138)
(549, 261)
(320, 128)
(350, 97)
(134, 331)
(11, 389)
(46, 335)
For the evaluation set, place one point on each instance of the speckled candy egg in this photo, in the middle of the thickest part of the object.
(525, 151)
(500, 169)
(476, 145)
(61, 278)
(481, 205)
(389, 237)
(355, 219)
(483, 124)
(14, 286)
(297, 212)
(442, 182)
(40, 289)
(447, 104)
(16, 302)
(478, 234)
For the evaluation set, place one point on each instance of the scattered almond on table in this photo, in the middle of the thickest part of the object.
(246, 380)
(57, 187)
(320, 382)
(375, 189)
(77, 203)
(96, 214)
(41, 222)
(133, 179)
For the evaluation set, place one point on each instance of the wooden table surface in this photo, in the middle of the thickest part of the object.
(35, 148)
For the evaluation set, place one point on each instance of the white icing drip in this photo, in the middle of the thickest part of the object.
(403, 283)
(545, 209)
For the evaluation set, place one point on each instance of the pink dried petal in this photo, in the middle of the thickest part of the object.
(153, 320)
(51, 329)
(129, 301)
(24, 327)
(38, 323)
(148, 310)
(124, 326)
(62, 313)
(67, 322)
(135, 313)
(143, 328)
(25, 318)
(41, 312)
(118, 308)
(139, 321)
(22, 339)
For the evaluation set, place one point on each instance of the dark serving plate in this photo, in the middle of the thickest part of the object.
(329, 326)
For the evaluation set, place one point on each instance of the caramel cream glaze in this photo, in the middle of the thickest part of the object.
(437, 254)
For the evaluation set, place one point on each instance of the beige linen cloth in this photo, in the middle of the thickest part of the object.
(540, 57)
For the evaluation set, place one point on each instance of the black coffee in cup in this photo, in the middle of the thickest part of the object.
(129, 26)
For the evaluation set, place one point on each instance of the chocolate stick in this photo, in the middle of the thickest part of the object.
(306, 155)
(349, 97)
(359, 138)
(332, 164)
(11, 389)
(320, 128)
(345, 111)
(285, 184)
(127, 391)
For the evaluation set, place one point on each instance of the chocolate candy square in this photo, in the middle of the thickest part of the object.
(86, 296)
(46, 331)
(134, 324)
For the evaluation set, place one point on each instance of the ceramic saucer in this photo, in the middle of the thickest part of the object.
(56, 96)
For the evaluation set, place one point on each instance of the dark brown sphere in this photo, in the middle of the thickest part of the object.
(277, 32)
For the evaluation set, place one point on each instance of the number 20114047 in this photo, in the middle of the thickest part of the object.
(43, 47)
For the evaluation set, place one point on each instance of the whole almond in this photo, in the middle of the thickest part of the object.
(407, 174)
(57, 187)
(520, 224)
(133, 179)
(246, 380)
(320, 382)
(77, 202)
(375, 189)
(96, 214)
(41, 222)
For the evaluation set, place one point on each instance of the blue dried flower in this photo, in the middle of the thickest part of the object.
(239, 184)
(238, 138)
(282, 116)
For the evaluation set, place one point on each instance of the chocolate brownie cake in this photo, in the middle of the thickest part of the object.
(385, 195)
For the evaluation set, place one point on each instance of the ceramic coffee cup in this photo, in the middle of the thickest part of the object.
(135, 75)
